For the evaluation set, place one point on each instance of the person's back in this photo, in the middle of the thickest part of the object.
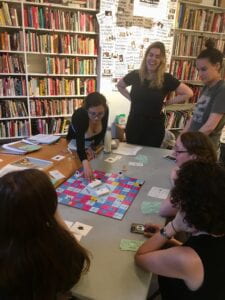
(39, 258)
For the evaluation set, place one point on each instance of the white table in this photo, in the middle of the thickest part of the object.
(113, 274)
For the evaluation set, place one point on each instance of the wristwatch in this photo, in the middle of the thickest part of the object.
(164, 233)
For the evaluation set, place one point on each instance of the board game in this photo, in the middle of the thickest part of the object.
(122, 190)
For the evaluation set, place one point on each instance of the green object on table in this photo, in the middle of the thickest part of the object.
(150, 207)
(142, 158)
(130, 245)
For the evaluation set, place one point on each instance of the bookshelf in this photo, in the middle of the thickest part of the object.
(195, 23)
(48, 63)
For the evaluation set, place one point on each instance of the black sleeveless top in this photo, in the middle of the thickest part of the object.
(211, 250)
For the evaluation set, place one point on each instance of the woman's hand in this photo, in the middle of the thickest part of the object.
(180, 224)
(90, 153)
(151, 229)
(88, 173)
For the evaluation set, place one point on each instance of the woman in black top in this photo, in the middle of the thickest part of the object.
(88, 128)
(39, 258)
(196, 269)
(149, 87)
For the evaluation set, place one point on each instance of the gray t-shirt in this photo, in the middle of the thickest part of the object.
(211, 100)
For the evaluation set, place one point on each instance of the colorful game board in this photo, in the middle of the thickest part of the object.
(122, 191)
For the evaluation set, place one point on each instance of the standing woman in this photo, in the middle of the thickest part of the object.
(88, 128)
(149, 87)
(209, 113)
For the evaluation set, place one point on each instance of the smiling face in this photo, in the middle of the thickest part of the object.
(208, 72)
(96, 113)
(181, 153)
(153, 59)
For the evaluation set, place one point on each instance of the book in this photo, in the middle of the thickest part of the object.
(32, 163)
(44, 138)
(20, 147)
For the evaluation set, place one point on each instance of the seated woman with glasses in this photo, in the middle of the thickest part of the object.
(87, 129)
(189, 146)
(39, 258)
(196, 269)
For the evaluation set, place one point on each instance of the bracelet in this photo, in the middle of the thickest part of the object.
(164, 233)
(173, 226)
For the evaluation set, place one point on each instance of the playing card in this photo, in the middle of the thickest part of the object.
(130, 245)
(56, 174)
(80, 228)
(110, 160)
(136, 164)
(58, 157)
(158, 192)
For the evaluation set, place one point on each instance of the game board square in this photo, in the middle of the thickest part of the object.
(94, 209)
(118, 216)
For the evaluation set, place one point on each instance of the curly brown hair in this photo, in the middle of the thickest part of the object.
(199, 192)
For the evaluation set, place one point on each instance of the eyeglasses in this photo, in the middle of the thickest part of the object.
(180, 151)
(94, 114)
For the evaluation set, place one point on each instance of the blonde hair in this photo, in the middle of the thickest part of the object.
(158, 79)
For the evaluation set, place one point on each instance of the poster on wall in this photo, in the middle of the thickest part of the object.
(150, 8)
(125, 34)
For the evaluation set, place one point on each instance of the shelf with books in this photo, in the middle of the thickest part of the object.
(48, 63)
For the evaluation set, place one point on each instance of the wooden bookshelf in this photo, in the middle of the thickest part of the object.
(195, 23)
(48, 63)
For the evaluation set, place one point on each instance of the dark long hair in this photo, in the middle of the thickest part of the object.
(38, 257)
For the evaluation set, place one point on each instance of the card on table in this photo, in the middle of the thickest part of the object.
(158, 192)
(58, 157)
(150, 207)
(80, 228)
(136, 164)
(130, 245)
(56, 174)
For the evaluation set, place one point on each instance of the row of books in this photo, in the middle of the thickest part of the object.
(200, 19)
(8, 16)
(12, 109)
(71, 3)
(50, 126)
(184, 70)
(177, 119)
(14, 128)
(186, 44)
(77, 65)
(53, 18)
(60, 43)
(62, 86)
(11, 63)
(13, 41)
(10, 86)
(46, 107)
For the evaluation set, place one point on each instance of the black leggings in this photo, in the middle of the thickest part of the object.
(145, 131)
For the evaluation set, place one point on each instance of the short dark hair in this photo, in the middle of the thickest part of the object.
(94, 99)
(38, 257)
(199, 144)
(211, 53)
(199, 192)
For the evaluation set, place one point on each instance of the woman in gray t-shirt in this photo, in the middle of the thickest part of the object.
(209, 114)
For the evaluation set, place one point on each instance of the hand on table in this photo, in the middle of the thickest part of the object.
(88, 172)
(151, 229)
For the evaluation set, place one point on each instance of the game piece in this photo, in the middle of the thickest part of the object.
(78, 174)
(95, 183)
(102, 192)
(120, 174)
(114, 204)
(80, 228)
